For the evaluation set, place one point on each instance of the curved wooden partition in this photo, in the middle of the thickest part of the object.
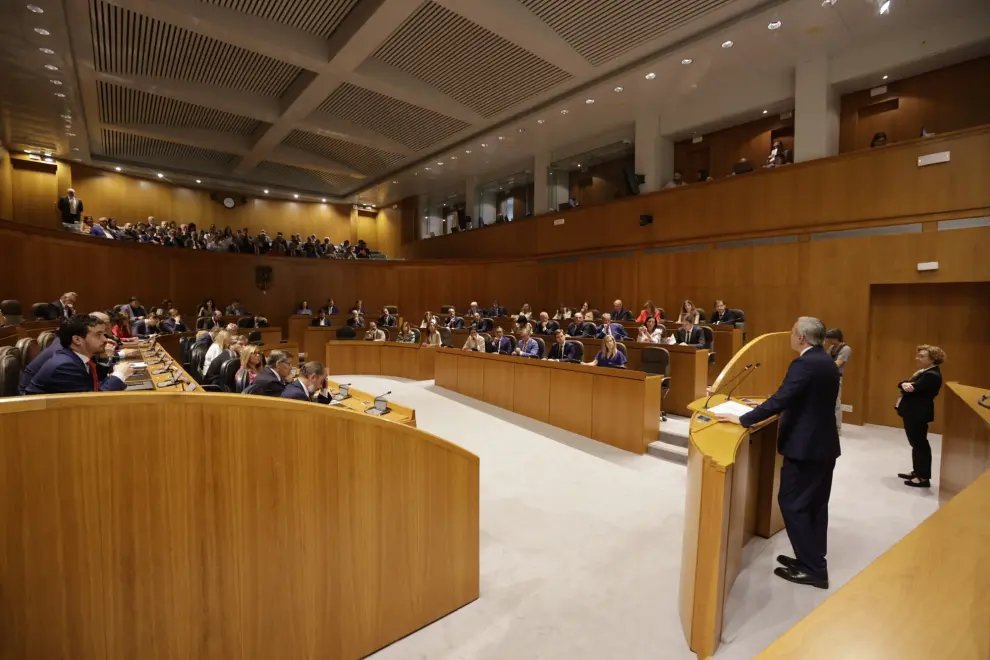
(188, 527)
(772, 351)
(965, 440)
(381, 358)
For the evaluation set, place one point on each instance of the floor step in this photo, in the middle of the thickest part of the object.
(668, 452)
(675, 430)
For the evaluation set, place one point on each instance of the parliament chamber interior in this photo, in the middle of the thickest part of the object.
(494, 329)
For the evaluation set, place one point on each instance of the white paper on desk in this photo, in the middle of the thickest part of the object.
(730, 408)
(139, 365)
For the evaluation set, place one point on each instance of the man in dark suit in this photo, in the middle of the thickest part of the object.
(235, 308)
(608, 328)
(620, 313)
(310, 386)
(321, 320)
(916, 407)
(72, 368)
(499, 343)
(387, 320)
(545, 326)
(134, 309)
(576, 328)
(689, 334)
(214, 375)
(496, 310)
(174, 322)
(271, 381)
(809, 442)
(562, 350)
(146, 326)
(65, 305)
(723, 315)
(70, 206)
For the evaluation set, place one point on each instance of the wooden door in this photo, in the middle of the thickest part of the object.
(954, 316)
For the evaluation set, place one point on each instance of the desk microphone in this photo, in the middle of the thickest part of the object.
(733, 379)
(381, 396)
(728, 396)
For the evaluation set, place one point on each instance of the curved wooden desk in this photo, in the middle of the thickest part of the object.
(965, 440)
(774, 354)
(380, 358)
(225, 526)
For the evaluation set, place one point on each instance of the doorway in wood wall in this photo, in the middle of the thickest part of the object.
(954, 316)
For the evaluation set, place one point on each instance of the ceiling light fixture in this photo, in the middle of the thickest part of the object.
(266, 192)
(198, 181)
(484, 144)
(71, 134)
(885, 77)
(36, 9)
(541, 121)
(564, 111)
(501, 137)
(439, 162)
(160, 175)
(686, 60)
(467, 151)
(324, 200)
(617, 89)
(75, 148)
(55, 82)
(520, 130)
(764, 112)
(589, 101)
(774, 25)
(47, 51)
(117, 168)
(66, 116)
(394, 181)
(727, 44)
(651, 75)
(51, 67)
(453, 157)
(60, 95)
(885, 7)
(42, 31)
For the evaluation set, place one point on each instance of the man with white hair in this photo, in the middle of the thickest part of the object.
(809, 442)
(71, 207)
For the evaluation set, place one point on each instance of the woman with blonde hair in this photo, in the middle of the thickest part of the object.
(432, 336)
(220, 343)
(609, 355)
(526, 311)
(688, 310)
(250, 363)
(916, 406)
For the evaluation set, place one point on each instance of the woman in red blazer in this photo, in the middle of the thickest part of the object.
(121, 326)
(649, 309)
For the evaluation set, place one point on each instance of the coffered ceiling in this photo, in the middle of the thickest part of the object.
(331, 98)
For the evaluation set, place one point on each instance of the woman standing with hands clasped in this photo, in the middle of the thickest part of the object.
(916, 406)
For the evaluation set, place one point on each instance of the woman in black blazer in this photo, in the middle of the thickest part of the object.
(916, 406)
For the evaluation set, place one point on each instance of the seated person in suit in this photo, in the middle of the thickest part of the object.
(431, 336)
(472, 309)
(214, 375)
(723, 314)
(688, 309)
(387, 319)
(216, 321)
(650, 332)
(482, 325)
(304, 309)
(250, 363)
(500, 343)
(562, 350)
(330, 307)
(607, 328)
(496, 310)
(207, 308)
(147, 326)
(620, 313)
(474, 342)
(406, 335)
(649, 309)
(205, 337)
(543, 326)
(235, 308)
(321, 320)
(576, 328)
(373, 333)
(65, 305)
(358, 307)
(688, 334)
(356, 321)
(271, 381)
(174, 322)
(311, 385)
(609, 355)
(527, 346)
(72, 367)
(134, 309)
(454, 322)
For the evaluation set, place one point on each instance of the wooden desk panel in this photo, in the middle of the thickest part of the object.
(470, 380)
(618, 414)
(268, 335)
(314, 342)
(499, 384)
(368, 358)
(360, 401)
(288, 347)
(965, 440)
(445, 369)
(688, 378)
(571, 400)
(296, 325)
(531, 391)
(397, 359)
(341, 357)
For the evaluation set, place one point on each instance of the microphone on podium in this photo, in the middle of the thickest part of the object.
(731, 380)
(728, 397)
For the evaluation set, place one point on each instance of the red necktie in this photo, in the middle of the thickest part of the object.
(96, 379)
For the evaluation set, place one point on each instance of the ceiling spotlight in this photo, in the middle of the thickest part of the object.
(74, 148)
(617, 89)
(564, 111)
(651, 75)
(71, 134)
(47, 51)
(885, 77)
(520, 130)
(198, 181)
(774, 25)
(324, 200)
(453, 157)
(501, 137)
(541, 121)
(579, 164)
(727, 44)
(686, 60)
(42, 31)
(764, 112)
(439, 162)
(828, 3)
(51, 67)
(484, 144)
(266, 192)
(295, 195)
(55, 82)
(885, 7)
(589, 101)
(160, 175)
(415, 173)
(36, 9)
(393, 181)
(66, 116)
(60, 95)
(117, 168)
(467, 151)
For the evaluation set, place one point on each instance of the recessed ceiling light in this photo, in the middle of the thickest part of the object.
(589, 101)
(579, 164)
(66, 116)
(520, 130)
(295, 195)
(415, 173)
(541, 121)
(453, 157)
(651, 75)
(51, 67)
(55, 82)
(501, 137)
(198, 181)
(764, 112)
(47, 51)
(324, 200)
(160, 175)
(467, 151)
(266, 192)
(42, 31)
(727, 44)
(427, 169)
(885, 77)
(117, 168)
(617, 89)
(36, 9)
(394, 181)
(71, 134)
(885, 8)
(484, 144)
(439, 162)
(60, 95)
(564, 111)
(774, 25)
(75, 148)
(686, 60)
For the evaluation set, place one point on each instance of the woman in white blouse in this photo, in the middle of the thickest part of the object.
(650, 333)
(427, 319)
(220, 343)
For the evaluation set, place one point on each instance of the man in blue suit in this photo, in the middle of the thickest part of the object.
(272, 379)
(808, 440)
(311, 385)
(527, 346)
(500, 343)
(609, 328)
(563, 350)
(72, 368)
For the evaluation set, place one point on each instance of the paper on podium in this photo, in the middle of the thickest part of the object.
(730, 408)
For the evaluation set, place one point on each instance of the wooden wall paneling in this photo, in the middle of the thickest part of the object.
(6, 186)
(601, 183)
(722, 149)
(341, 357)
(35, 194)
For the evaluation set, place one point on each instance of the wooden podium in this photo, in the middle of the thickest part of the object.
(965, 440)
(732, 485)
